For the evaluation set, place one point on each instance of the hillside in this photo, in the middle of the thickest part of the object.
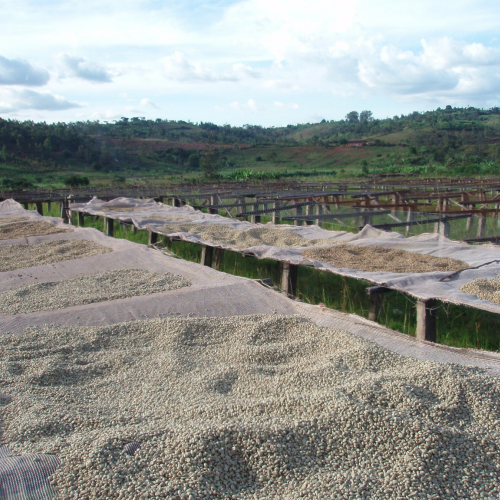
(450, 141)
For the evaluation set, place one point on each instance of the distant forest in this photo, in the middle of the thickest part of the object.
(465, 140)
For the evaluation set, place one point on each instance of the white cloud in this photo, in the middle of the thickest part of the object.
(250, 105)
(21, 72)
(177, 67)
(12, 100)
(282, 105)
(148, 103)
(442, 66)
(81, 67)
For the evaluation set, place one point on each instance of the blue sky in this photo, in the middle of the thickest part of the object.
(250, 61)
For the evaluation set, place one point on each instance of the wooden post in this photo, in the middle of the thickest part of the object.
(176, 202)
(206, 255)
(80, 218)
(444, 228)
(319, 211)
(243, 207)
(376, 294)
(309, 213)
(298, 213)
(26, 206)
(109, 228)
(275, 216)
(64, 211)
(426, 320)
(481, 226)
(409, 218)
(468, 225)
(218, 258)
(152, 238)
(289, 279)
(49, 207)
(255, 219)
(214, 202)
(39, 207)
(375, 306)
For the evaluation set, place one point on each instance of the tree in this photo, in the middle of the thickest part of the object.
(366, 116)
(76, 181)
(194, 161)
(210, 163)
(352, 117)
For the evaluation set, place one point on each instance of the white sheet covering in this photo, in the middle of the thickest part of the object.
(144, 215)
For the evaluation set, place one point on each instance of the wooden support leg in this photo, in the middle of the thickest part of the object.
(298, 213)
(213, 202)
(49, 207)
(481, 227)
(218, 258)
(176, 202)
(64, 212)
(109, 226)
(255, 219)
(276, 219)
(26, 206)
(426, 320)
(152, 237)
(319, 211)
(289, 279)
(242, 207)
(469, 222)
(80, 217)
(39, 207)
(376, 294)
(444, 229)
(409, 219)
(375, 306)
(206, 255)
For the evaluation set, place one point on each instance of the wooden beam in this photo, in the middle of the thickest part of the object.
(39, 207)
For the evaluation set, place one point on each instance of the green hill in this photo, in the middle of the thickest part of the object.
(450, 141)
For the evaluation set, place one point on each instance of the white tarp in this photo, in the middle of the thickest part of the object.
(148, 214)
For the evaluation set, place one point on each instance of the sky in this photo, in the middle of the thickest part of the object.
(260, 62)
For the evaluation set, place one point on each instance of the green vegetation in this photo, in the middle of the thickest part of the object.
(444, 142)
